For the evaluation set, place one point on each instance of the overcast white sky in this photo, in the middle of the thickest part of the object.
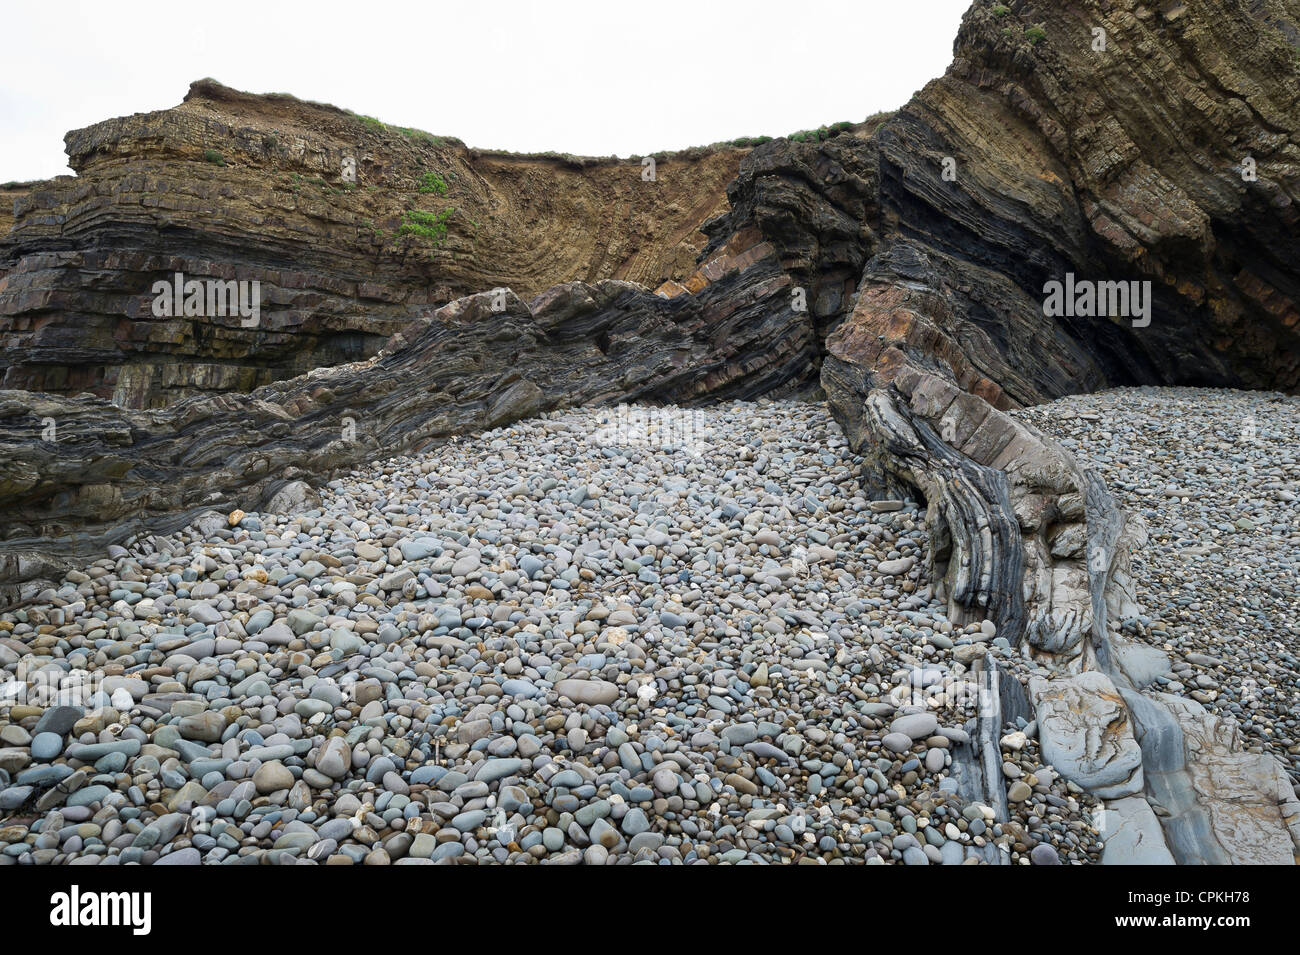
(592, 78)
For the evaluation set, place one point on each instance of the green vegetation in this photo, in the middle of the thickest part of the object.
(314, 181)
(1001, 10)
(433, 183)
(820, 134)
(419, 135)
(426, 225)
(214, 157)
(876, 120)
(1035, 34)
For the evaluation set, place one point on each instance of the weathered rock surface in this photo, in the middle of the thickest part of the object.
(1132, 834)
(1027, 162)
(907, 268)
(1222, 806)
(233, 186)
(1086, 733)
(1121, 164)
(112, 474)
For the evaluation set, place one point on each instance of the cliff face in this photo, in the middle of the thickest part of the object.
(1167, 157)
(1119, 164)
(885, 261)
(1091, 143)
(233, 186)
(906, 268)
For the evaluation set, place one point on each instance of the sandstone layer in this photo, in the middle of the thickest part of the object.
(229, 185)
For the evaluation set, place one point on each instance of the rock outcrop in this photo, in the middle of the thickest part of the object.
(1112, 143)
(476, 363)
(1110, 147)
(231, 186)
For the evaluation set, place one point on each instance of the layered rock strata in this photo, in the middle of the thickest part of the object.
(83, 473)
(1055, 173)
(234, 187)
(906, 270)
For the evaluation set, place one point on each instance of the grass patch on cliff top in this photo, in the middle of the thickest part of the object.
(868, 126)
(876, 120)
(419, 135)
(411, 133)
(748, 141)
(821, 133)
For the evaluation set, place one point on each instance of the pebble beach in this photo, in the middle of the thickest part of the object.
(656, 636)
(1215, 475)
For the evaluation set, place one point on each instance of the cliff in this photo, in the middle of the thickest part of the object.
(229, 185)
(906, 267)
